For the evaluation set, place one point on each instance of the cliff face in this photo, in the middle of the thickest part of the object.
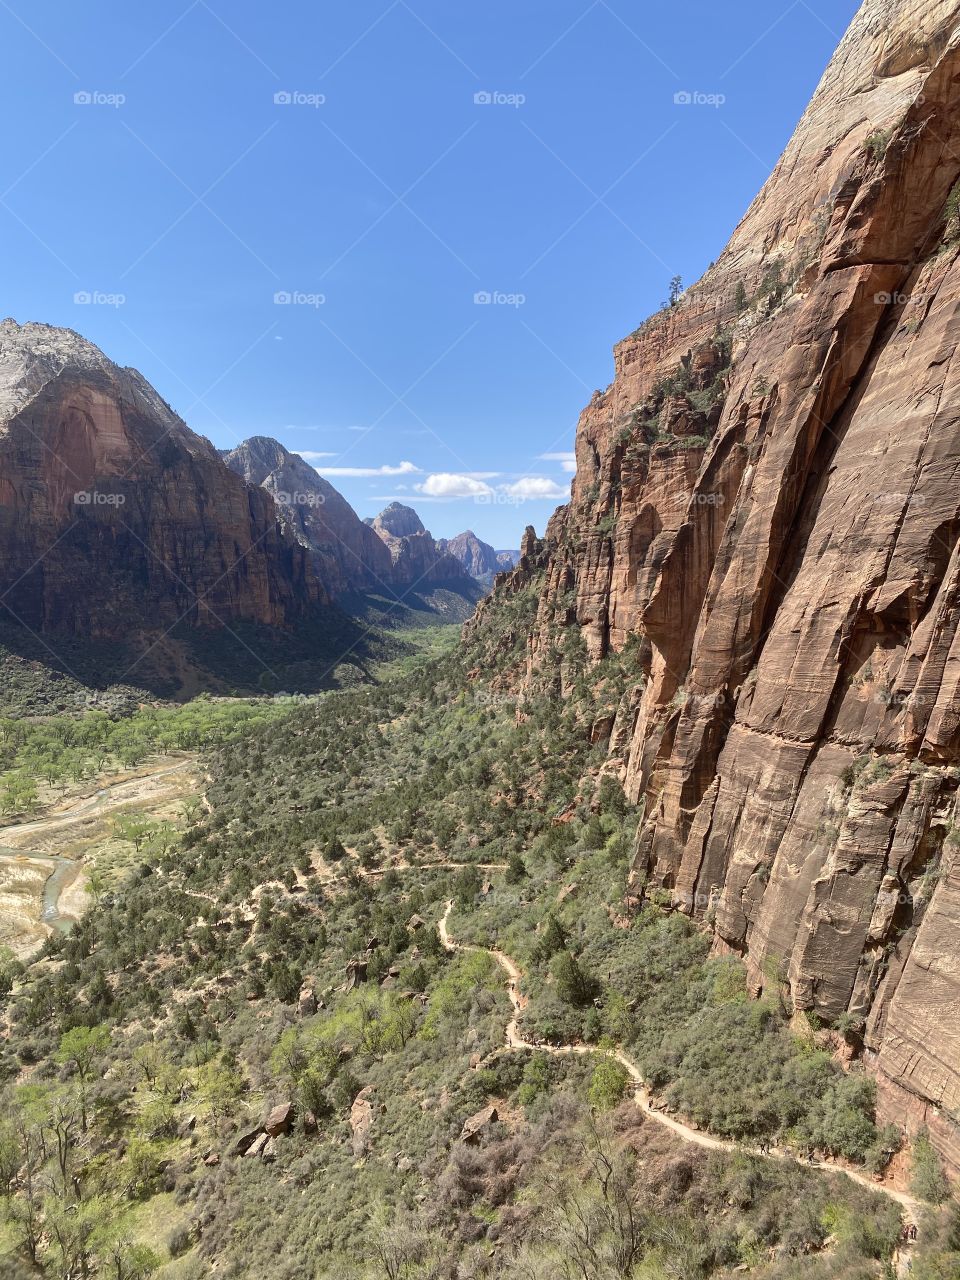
(349, 556)
(115, 518)
(767, 503)
(418, 561)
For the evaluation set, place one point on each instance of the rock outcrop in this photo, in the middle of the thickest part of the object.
(417, 559)
(767, 507)
(349, 556)
(116, 518)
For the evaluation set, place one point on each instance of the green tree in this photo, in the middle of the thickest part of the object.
(607, 1083)
(573, 984)
(80, 1048)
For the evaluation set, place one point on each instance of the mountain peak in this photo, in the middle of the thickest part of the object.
(399, 521)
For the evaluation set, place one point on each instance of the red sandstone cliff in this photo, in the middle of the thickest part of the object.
(115, 518)
(768, 499)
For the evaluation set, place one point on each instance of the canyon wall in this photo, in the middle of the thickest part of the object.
(767, 506)
(115, 518)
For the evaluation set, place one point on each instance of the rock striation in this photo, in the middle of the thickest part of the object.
(115, 517)
(766, 516)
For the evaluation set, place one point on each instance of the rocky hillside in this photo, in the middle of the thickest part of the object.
(766, 516)
(349, 554)
(417, 559)
(115, 518)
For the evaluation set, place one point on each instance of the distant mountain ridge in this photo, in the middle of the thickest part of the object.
(478, 557)
(416, 557)
(392, 553)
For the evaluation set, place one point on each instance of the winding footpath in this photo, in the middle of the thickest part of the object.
(642, 1097)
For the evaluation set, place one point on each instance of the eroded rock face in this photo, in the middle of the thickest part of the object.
(114, 516)
(767, 503)
(349, 556)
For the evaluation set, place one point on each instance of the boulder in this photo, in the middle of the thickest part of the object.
(279, 1120)
(361, 1121)
(479, 1124)
(257, 1147)
(246, 1140)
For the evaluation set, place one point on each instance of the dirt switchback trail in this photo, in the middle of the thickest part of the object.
(641, 1094)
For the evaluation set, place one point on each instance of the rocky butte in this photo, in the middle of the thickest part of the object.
(767, 510)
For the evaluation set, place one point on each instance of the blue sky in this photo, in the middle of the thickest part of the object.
(283, 214)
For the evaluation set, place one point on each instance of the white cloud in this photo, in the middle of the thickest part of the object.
(401, 469)
(311, 455)
(445, 484)
(567, 460)
(534, 488)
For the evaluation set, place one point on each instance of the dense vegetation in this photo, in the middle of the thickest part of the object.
(54, 750)
(284, 951)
